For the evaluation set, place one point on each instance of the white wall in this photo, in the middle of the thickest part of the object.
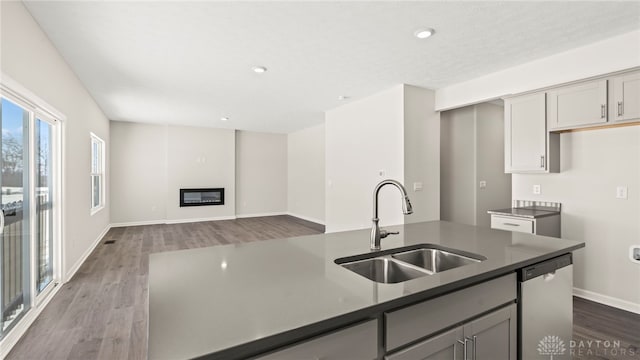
(151, 163)
(138, 172)
(472, 145)
(363, 138)
(306, 173)
(593, 164)
(28, 57)
(261, 173)
(200, 158)
(395, 132)
(617, 53)
(421, 153)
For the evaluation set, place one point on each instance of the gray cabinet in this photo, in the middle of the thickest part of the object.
(491, 337)
(625, 97)
(529, 147)
(438, 321)
(446, 346)
(359, 342)
(546, 226)
(578, 105)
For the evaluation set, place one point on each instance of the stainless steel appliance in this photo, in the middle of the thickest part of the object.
(546, 309)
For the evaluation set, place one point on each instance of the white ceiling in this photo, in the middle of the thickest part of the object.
(190, 62)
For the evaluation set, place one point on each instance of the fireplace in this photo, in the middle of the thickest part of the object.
(201, 197)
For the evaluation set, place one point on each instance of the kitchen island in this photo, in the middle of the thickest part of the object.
(254, 299)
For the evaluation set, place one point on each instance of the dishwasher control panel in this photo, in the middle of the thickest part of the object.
(545, 267)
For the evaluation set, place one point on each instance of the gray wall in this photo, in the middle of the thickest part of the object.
(593, 163)
(490, 162)
(472, 150)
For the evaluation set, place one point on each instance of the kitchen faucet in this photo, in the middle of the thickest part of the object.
(376, 233)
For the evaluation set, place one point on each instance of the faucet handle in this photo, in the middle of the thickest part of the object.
(385, 233)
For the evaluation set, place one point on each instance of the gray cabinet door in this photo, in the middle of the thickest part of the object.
(447, 346)
(525, 134)
(625, 97)
(359, 342)
(494, 336)
(578, 105)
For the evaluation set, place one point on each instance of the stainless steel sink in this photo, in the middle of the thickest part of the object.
(406, 263)
(434, 260)
(383, 270)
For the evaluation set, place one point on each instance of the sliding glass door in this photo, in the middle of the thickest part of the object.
(44, 192)
(27, 237)
(14, 216)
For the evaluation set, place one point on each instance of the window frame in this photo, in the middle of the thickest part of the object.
(100, 173)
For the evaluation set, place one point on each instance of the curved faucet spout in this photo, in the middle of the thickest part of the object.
(376, 233)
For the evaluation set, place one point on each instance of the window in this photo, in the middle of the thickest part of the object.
(97, 174)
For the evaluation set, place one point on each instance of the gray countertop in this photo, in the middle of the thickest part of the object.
(234, 300)
(529, 213)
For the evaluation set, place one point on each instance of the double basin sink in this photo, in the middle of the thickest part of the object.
(406, 263)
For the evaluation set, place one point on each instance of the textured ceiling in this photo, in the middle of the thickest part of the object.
(190, 62)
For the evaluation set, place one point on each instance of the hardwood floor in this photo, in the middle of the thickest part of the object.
(602, 332)
(102, 312)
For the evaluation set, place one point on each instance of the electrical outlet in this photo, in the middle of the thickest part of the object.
(621, 192)
(536, 190)
(483, 184)
(417, 186)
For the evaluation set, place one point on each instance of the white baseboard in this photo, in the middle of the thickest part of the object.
(313, 220)
(607, 300)
(242, 216)
(182, 221)
(84, 256)
(139, 223)
(23, 325)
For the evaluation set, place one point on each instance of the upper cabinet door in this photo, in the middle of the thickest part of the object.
(577, 105)
(625, 97)
(525, 134)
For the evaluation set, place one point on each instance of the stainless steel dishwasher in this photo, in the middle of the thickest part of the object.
(546, 309)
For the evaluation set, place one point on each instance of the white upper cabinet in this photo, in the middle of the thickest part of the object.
(527, 141)
(577, 105)
(625, 97)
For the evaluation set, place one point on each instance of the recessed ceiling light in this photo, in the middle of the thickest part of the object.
(343, 97)
(424, 33)
(224, 118)
(259, 69)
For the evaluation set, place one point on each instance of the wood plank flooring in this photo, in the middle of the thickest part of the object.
(602, 332)
(102, 312)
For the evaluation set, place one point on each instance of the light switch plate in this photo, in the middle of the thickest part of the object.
(536, 189)
(621, 192)
(417, 186)
(483, 184)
